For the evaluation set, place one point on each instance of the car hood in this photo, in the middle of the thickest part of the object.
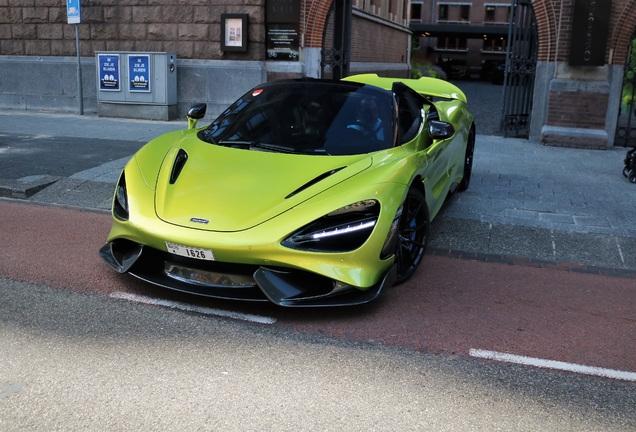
(228, 189)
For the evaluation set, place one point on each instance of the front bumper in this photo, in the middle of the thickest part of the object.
(282, 286)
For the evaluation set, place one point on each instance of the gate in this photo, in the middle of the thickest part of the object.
(521, 63)
(337, 57)
(626, 126)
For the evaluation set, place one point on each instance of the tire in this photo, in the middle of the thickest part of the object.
(413, 232)
(632, 176)
(626, 172)
(468, 160)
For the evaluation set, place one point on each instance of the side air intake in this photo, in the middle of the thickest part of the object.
(179, 163)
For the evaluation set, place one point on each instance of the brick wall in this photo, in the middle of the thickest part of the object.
(577, 109)
(372, 42)
(554, 21)
(192, 30)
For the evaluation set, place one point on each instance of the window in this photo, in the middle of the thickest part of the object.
(490, 14)
(464, 12)
(494, 44)
(452, 43)
(416, 11)
(443, 12)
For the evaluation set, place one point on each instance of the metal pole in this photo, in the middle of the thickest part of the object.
(504, 107)
(79, 72)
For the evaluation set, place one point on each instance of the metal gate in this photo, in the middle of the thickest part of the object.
(521, 64)
(336, 58)
(626, 126)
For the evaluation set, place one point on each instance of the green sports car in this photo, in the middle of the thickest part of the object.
(303, 192)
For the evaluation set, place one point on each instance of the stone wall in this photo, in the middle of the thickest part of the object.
(192, 30)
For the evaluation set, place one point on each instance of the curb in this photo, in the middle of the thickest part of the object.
(25, 187)
(533, 262)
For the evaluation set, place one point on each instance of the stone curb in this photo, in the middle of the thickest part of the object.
(532, 262)
(26, 187)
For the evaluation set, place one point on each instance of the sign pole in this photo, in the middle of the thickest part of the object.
(79, 71)
(74, 16)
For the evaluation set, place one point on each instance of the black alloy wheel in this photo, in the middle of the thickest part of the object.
(468, 161)
(413, 231)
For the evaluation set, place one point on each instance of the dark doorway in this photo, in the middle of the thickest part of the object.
(521, 64)
(626, 126)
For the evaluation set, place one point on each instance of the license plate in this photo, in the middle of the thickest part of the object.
(190, 252)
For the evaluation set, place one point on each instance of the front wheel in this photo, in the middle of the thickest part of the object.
(468, 160)
(413, 231)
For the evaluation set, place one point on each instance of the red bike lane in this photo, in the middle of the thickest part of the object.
(450, 306)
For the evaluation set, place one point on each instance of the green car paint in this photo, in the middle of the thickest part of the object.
(244, 195)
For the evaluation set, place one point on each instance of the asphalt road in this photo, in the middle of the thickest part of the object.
(87, 362)
(74, 356)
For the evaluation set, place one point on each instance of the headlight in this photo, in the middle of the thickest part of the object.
(342, 230)
(120, 203)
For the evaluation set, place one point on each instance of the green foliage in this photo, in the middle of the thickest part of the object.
(420, 69)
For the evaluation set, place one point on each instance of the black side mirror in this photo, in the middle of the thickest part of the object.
(440, 129)
(195, 113)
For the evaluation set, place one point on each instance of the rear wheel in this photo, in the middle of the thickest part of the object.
(468, 160)
(413, 231)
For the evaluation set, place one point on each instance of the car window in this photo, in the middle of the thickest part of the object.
(410, 105)
(308, 117)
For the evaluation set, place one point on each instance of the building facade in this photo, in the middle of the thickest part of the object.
(283, 38)
(580, 89)
(582, 93)
(471, 32)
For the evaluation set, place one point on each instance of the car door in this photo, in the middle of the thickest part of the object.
(433, 159)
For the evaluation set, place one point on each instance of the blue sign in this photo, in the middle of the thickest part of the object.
(108, 72)
(73, 11)
(139, 73)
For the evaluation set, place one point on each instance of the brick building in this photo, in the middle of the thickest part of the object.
(574, 103)
(468, 31)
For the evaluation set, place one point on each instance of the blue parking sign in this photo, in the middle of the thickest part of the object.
(139, 72)
(108, 72)
(73, 11)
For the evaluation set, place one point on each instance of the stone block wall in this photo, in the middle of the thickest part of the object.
(192, 30)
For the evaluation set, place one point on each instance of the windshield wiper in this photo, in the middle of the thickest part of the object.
(249, 145)
(207, 136)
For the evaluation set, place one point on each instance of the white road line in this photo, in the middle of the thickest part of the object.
(189, 308)
(552, 364)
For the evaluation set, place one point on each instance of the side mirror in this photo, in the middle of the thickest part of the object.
(195, 113)
(440, 130)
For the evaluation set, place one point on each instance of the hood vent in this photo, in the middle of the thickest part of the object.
(179, 163)
(314, 181)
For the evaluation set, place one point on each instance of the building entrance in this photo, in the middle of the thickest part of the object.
(521, 62)
(626, 125)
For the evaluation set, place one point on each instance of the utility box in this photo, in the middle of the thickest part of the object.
(139, 85)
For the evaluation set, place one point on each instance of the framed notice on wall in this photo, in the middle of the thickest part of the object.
(283, 42)
(234, 32)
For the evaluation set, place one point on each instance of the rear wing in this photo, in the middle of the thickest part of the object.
(426, 86)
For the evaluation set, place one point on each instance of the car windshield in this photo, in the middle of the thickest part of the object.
(308, 117)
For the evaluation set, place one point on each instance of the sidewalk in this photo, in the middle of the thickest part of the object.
(526, 200)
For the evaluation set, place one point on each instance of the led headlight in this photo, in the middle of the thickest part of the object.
(120, 203)
(342, 230)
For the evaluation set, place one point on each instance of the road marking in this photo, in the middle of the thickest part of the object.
(553, 364)
(189, 308)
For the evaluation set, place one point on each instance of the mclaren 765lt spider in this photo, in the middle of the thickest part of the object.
(303, 192)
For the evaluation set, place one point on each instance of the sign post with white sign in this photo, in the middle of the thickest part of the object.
(74, 16)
